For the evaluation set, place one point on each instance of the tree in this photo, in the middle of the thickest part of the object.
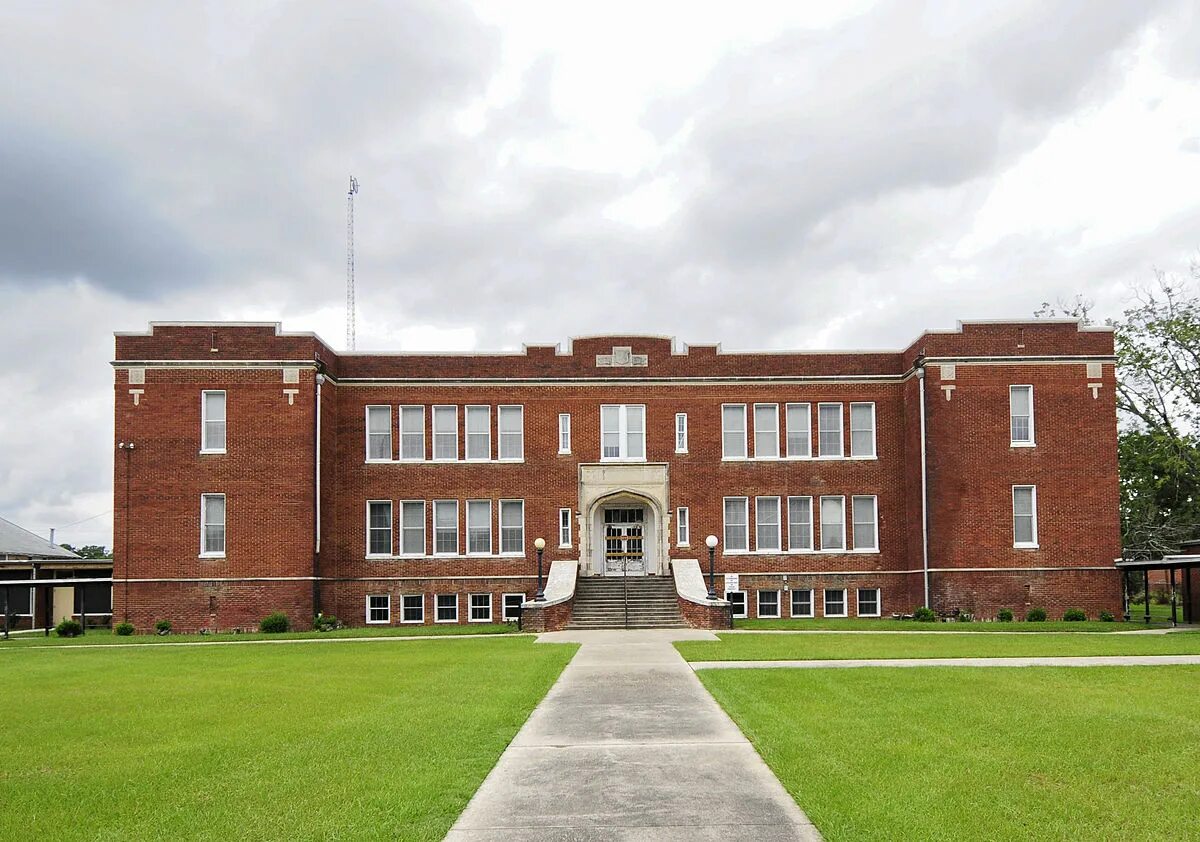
(88, 551)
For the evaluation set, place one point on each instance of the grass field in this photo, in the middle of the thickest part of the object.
(1036, 753)
(856, 624)
(104, 637)
(382, 740)
(779, 647)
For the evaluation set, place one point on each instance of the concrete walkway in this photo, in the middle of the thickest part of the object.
(628, 745)
(1079, 661)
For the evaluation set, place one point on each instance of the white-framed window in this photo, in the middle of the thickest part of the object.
(833, 523)
(802, 602)
(564, 527)
(445, 527)
(480, 608)
(737, 524)
(622, 432)
(479, 433)
(1020, 415)
(768, 604)
(835, 602)
(1024, 503)
(412, 527)
(446, 608)
(479, 527)
(800, 523)
(737, 602)
(510, 422)
(681, 432)
(379, 609)
(512, 606)
(733, 431)
(445, 433)
(829, 430)
(864, 515)
(212, 525)
(512, 527)
(379, 434)
(379, 527)
(564, 432)
(766, 431)
(412, 433)
(766, 524)
(683, 526)
(862, 431)
(212, 421)
(799, 430)
(412, 608)
(868, 602)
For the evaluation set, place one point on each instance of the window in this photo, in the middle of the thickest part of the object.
(412, 608)
(445, 527)
(379, 609)
(447, 608)
(766, 523)
(412, 433)
(864, 512)
(737, 602)
(799, 430)
(768, 604)
(766, 431)
(564, 433)
(512, 606)
(802, 602)
(412, 527)
(212, 525)
(379, 527)
(212, 422)
(445, 433)
(379, 434)
(622, 431)
(1024, 516)
(737, 524)
(800, 523)
(829, 429)
(683, 526)
(833, 523)
(479, 527)
(862, 430)
(564, 527)
(868, 602)
(733, 431)
(512, 527)
(480, 607)
(512, 433)
(1020, 415)
(681, 432)
(835, 602)
(479, 433)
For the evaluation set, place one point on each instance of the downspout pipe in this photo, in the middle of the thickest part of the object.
(919, 366)
(316, 585)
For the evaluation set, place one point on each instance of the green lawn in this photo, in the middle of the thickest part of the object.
(856, 624)
(102, 637)
(784, 647)
(361, 740)
(1159, 614)
(1037, 753)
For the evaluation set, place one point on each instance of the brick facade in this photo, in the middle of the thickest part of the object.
(292, 547)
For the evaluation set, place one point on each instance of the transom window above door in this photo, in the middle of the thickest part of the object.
(623, 432)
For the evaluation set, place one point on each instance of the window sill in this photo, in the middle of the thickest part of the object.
(830, 458)
(876, 614)
(1022, 444)
(765, 459)
(734, 459)
(864, 458)
(442, 556)
(564, 453)
(419, 622)
(211, 555)
(836, 616)
(618, 459)
(221, 452)
(379, 555)
(804, 458)
(804, 616)
(681, 453)
(379, 622)
(1026, 547)
(485, 620)
(564, 546)
(453, 622)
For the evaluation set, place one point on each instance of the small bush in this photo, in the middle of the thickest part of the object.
(1036, 615)
(924, 615)
(274, 623)
(163, 626)
(123, 629)
(1005, 615)
(1106, 617)
(68, 628)
(965, 617)
(1161, 596)
(326, 622)
(1074, 615)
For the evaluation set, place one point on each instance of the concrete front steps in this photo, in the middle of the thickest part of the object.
(600, 603)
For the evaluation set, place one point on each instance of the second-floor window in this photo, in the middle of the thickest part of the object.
(212, 525)
(733, 431)
(379, 527)
(683, 527)
(800, 523)
(766, 431)
(512, 526)
(564, 433)
(212, 422)
(623, 431)
(379, 434)
(737, 524)
(512, 433)
(833, 523)
(412, 433)
(799, 430)
(479, 432)
(564, 527)
(862, 430)
(412, 527)
(1024, 499)
(681, 432)
(445, 527)
(445, 433)
(829, 429)
(866, 522)
(479, 527)
(1020, 415)
(766, 524)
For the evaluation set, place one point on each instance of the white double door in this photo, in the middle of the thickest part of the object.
(624, 542)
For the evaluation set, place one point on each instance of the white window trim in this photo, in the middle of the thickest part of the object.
(1032, 436)
(725, 531)
(825, 602)
(758, 605)
(504, 599)
(683, 515)
(817, 518)
(1025, 545)
(500, 529)
(812, 604)
(204, 422)
(457, 529)
(564, 433)
(433, 434)
(420, 621)
(841, 431)
(367, 433)
(467, 435)
(500, 411)
(564, 526)
(745, 605)
(681, 417)
(392, 523)
(424, 530)
(437, 619)
(874, 431)
(875, 508)
(385, 622)
(204, 524)
(787, 429)
(878, 602)
(812, 519)
(725, 457)
(471, 607)
(491, 535)
(623, 433)
(400, 428)
(754, 415)
(778, 548)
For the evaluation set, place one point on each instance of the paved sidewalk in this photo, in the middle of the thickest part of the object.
(628, 745)
(1082, 661)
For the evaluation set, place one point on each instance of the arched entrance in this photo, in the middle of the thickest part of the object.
(623, 520)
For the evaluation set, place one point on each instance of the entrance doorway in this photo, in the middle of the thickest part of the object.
(624, 542)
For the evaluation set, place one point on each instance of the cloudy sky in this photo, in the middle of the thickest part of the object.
(767, 175)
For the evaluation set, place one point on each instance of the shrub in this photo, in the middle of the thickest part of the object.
(1074, 615)
(1036, 615)
(163, 626)
(274, 623)
(1005, 615)
(123, 629)
(1161, 596)
(68, 628)
(924, 615)
(1106, 617)
(326, 622)
(965, 617)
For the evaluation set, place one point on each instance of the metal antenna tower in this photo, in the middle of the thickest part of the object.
(351, 316)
